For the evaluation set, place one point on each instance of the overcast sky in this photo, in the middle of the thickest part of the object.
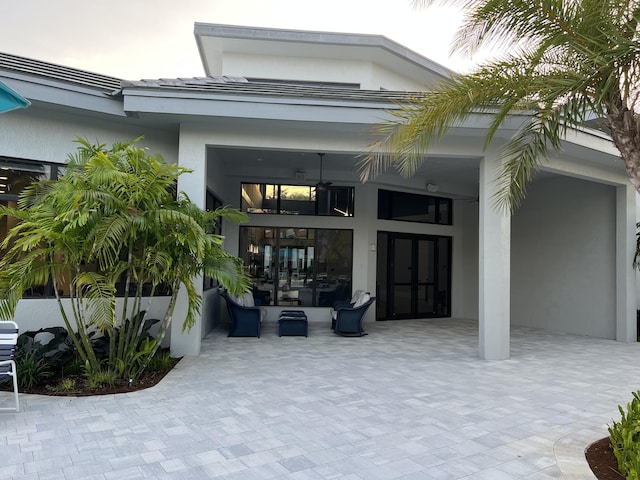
(135, 39)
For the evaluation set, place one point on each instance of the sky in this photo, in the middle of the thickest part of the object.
(146, 39)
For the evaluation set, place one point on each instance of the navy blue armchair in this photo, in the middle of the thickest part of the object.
(245, 321)
(348, 320)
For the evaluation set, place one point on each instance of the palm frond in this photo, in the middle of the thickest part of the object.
(562, 64)
(99, 295)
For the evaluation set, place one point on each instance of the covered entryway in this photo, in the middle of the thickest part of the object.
(413, 276)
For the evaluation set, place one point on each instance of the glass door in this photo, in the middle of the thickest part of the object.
(413, 276)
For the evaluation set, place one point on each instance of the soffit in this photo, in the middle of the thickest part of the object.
(456, 176)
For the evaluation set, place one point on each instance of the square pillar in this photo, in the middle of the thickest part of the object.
(495, 265)
(626, 325)
(192, 155)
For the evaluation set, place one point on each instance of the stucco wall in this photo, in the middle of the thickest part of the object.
(563, 258)
(38, 134)
(465, 260)
(368, 75)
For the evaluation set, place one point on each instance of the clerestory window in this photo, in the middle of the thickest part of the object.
(297, 199)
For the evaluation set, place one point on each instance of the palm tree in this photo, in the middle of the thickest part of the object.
(114, 219)
(563, 63)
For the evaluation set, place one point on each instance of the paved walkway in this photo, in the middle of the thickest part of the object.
(409, 401)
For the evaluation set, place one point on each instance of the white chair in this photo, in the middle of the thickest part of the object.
(8, 342)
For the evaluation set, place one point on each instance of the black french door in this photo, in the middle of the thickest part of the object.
(414, 276)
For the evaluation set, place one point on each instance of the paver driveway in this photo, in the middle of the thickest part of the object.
(409, 401)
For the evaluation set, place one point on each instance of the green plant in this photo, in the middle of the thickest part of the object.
(161, 361)
(32, 370)
(65, 385)
(562, 64)
(73, 367)
(114, 222)
(625, 439)
(101, 378)
(57, 351)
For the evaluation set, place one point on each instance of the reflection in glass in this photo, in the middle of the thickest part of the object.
(297, 200)
(412, 207)
(298, 266)
(15, 176)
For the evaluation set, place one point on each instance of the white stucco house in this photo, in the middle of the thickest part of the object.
(276, 128)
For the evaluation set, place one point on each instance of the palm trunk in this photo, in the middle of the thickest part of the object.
(164, 325)
(123, 330)
(81, 341)
(625, 132)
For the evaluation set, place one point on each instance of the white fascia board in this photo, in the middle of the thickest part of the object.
(63, 94)
(594, 140)
(287, 42)
(583, 137)
(236, 106)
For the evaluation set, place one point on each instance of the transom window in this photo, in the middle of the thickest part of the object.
(297, 199)
(412, 207)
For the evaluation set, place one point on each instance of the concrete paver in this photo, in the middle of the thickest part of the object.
(411, 400)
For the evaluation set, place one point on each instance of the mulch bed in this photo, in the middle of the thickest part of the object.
(602, 461)
(82, 389)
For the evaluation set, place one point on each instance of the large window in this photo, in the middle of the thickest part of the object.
(412, 207)
(297, 199)
(15, 176)
(298, 266)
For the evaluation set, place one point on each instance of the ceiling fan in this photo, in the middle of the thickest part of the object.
(322, 186)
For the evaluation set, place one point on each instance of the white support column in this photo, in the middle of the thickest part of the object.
(192, 155)
(626, 326)
(495, 258)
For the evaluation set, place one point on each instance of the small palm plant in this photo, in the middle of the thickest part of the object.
(114, 217)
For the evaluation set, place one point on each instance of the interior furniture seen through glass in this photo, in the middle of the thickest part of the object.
(297, 199)
(298, 266)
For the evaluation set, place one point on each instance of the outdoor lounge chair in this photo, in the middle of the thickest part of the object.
(348, 320)
(350, 302)
(8, 341)
(245, 319)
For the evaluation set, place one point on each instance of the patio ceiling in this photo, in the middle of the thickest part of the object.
(457, 176)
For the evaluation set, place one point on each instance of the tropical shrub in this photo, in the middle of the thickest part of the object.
(625, 439)
(53, 345)
(161, 361)
(114, 222)
(32, 370)
(42, 354)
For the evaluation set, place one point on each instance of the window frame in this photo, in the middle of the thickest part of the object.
(318, 285)
(385, 209)
(332, 206)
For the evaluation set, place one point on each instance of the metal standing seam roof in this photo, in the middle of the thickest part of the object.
(201, 85)
(58, 72)
(240, 86)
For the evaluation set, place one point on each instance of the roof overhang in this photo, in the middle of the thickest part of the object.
(214, 40)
